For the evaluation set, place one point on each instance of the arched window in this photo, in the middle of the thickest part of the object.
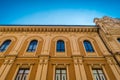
(32, 46)
(118, 39)
(88, 46)
(5, 45)
(60, 46)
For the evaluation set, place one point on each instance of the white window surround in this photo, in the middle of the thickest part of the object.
(99, 66)
(91, 41)
(60, 54)
(22, 66)
(31, 53)
(2, 53)
(60, 66)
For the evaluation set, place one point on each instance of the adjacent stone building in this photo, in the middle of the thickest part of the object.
(61, 52)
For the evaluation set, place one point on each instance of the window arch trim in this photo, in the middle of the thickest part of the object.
(5, 45)
(88, 46)
(118, 39)
(60, 46)
(32, 46)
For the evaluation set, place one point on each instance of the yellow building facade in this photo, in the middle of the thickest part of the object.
(58, 52)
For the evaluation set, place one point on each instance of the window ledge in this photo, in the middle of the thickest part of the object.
(29, 54)
(61, 54)
(91, 54)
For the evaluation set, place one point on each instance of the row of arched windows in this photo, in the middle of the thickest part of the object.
(60, 46)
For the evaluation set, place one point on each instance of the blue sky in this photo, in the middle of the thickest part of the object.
(57, 12)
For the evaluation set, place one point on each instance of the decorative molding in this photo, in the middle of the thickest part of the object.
(110, 60)
(9, 60)
(108, 25)
(78, 60)
(48, 29)
(110, 22)
(60, 38)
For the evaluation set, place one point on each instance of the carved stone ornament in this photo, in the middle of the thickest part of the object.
(75, 61)
(48, 29)
(80, 61)
(110, 61)
(107, 22)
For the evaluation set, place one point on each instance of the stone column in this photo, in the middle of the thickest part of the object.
(82, 70)
(77, 71)
(39, 70)
(112, 64)
(2, 68)
(5, 72)
(44, 70)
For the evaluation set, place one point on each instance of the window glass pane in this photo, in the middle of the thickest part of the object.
(22, 74)
(63, 76)
(94, 71)
(2, 48)
(102, 77)
(57, 71)
(5, 45)
(32, 46)
(26, 71)
(98, 74)
(57, 76)
(21, 71)
(24, 77)
(96, 77)
(18, 77)
(63, 71)
(118, 39)
(60, 46)
(100, 71)
(88, 46)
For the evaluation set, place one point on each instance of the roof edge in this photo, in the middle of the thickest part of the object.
(40, 25)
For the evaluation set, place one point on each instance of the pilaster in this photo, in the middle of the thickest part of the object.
(117, 55)
(17, 46)
(46, 45)
(82, 69)
(42, 68)
(102, 46)
(113, 65)
(39, 70)
(2, 68)
(74, 46)
(79, 69)
(77, 72)
(6, 66)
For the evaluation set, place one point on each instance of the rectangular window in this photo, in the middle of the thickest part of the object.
(60, 74)
(98, 74)
(22, 74)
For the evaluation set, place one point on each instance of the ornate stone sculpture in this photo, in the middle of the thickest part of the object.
(107, 22)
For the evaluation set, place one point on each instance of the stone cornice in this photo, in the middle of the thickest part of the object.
(47, 29)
